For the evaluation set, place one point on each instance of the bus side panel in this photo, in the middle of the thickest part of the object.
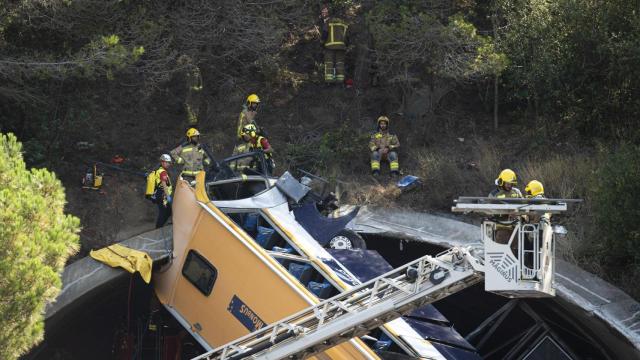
(185, 211)
(251, 280)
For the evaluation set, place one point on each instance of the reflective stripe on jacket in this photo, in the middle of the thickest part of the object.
(337, 34)
(193, 158)
(502, 193)
(381, 140)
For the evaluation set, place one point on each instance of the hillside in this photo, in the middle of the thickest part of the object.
(565, 116)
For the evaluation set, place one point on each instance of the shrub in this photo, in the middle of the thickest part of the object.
(616, 210)
(36, 239)
(443, 180)
(335, 149)
(563, 176)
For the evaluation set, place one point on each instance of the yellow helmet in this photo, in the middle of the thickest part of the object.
(250, 129)
(507, 176)
(253, 98)
(534, 188)
(192, 132)
(383, 118)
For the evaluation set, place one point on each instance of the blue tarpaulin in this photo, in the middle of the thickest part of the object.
(408, 182)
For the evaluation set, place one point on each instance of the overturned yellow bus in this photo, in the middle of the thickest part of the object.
(244, 256)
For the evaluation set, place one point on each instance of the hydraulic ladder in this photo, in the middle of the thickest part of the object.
(357, 311)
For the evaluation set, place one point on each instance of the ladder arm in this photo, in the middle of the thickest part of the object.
(359, 310)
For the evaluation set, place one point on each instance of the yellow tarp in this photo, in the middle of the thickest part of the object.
(131, 260)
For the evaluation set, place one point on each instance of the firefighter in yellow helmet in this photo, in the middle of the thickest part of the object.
(248, 114)
(333, 34)
(505, 185)
(535, 190)
(159, 190)
(383, 146)
(193, 79)
(256, 142)
(505, 188)
(191, 156)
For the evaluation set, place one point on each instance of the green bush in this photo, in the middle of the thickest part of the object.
(572, 60)
(36, 239)
(412, 40)
(341, 146)
(616, 210)
(335, 149)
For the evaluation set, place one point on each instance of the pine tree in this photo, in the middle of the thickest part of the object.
(36, 239)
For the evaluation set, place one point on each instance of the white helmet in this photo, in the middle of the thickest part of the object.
(165, 157)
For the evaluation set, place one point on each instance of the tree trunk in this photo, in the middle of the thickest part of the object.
(494, 25)
(495, 102)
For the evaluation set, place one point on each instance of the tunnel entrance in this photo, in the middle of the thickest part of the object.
(502, 328)
(124, 322)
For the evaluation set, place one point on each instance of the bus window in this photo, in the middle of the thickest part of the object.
(199, 272)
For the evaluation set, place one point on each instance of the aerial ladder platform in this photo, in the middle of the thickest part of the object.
(527, 272)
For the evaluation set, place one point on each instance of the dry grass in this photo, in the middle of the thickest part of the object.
(563, 176)
(489, 160)
(377, 195)
(443, 179)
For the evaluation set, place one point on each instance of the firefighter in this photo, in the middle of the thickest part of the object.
(383, 145)
(193, 100)
(256, 142)
(505, 188)
(248, 114)
(242, 163)
(191, 155)
(505, 185)
(535, 190)
(333, 34)
(159, 190)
